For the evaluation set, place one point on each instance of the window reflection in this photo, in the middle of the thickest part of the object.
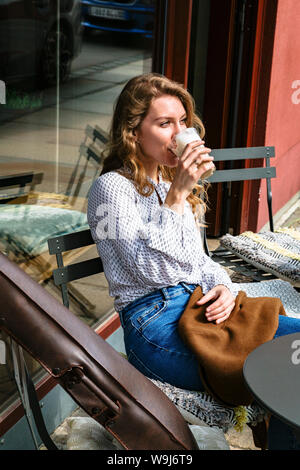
(61, 80)
(124, 16)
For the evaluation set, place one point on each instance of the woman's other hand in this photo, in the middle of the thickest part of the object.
(222, 303)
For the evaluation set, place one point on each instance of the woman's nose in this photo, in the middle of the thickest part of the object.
(178, 127)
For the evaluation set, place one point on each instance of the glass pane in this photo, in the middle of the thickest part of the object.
(8, 387)
(62, 65)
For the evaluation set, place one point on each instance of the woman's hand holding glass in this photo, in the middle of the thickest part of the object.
(193, 163)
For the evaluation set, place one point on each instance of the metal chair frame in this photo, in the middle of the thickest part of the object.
(58, 245)
(224, 256)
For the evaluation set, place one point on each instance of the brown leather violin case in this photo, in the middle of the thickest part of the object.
(96, 376)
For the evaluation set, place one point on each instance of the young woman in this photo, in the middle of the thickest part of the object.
(144, 213)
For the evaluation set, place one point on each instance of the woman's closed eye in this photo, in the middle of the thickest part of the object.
(167, 123)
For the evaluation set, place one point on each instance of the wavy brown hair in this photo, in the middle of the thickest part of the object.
(130, 109)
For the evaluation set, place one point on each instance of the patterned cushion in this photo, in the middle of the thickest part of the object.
(275, 252)
(25, 229)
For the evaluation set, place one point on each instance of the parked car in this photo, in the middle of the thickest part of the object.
(127, 16)
(29, 35)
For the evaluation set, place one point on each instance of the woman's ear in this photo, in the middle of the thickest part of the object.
(135, 136)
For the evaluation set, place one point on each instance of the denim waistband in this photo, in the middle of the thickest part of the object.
(165, 293)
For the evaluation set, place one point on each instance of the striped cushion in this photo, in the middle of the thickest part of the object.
(275, 252)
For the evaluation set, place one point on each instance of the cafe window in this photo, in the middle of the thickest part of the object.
(62, 65)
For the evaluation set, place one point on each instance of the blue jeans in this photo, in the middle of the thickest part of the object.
(154, 346)
(152, 342)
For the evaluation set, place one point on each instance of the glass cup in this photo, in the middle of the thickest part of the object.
(185, 137)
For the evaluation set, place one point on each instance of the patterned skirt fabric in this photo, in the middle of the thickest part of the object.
(200, 407)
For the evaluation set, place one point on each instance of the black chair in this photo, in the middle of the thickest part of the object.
(89, 151)
(224, 256)
(64, 274)
(18, 185)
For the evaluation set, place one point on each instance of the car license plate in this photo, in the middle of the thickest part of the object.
(111, 13)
